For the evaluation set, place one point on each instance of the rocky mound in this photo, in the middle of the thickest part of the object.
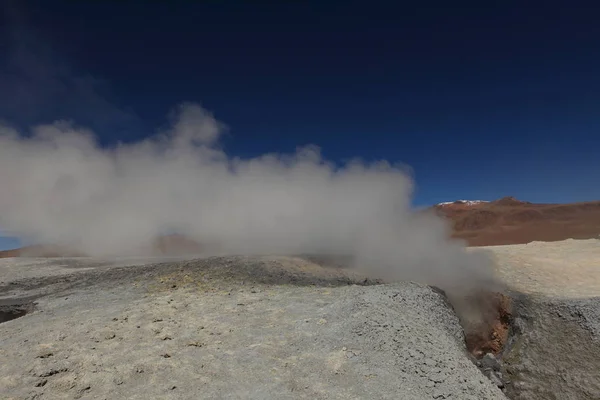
(260, 328)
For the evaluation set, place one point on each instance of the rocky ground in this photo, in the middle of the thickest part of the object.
(554, 349)
(555, 352)
(284, 327)
(233, 327)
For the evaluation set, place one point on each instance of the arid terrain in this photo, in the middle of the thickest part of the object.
(291, 327)
(511, 221)
(175, 326)
(226, 327)
(478, 223)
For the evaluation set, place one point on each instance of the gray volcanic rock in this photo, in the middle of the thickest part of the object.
(235, 327)
(554, 349)
(556, 353)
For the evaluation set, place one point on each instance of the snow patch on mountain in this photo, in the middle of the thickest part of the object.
(463, 202)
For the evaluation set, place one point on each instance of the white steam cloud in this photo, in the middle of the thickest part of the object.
(58, 186)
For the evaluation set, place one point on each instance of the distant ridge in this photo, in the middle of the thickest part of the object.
(512, 221)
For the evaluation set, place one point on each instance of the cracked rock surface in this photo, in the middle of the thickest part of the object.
(556, 352)
(554, 348)
(234, 327)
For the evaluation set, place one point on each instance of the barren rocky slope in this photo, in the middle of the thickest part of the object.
(232, 327)
(511, 221)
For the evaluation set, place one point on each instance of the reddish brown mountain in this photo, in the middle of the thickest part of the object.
(511, 221)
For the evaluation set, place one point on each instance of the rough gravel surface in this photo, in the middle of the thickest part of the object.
(554, 351)
(554, 354)
(232, 328)
(287, 327)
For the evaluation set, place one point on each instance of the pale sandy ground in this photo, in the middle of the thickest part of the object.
(566, 269)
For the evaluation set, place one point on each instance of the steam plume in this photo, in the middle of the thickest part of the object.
(59, 186)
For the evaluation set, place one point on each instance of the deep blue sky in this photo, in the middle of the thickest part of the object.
(481, 100)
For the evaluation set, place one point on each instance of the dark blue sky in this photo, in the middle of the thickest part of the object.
(481, 100)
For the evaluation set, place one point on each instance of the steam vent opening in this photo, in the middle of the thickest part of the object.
(491, 335)
(10, 312)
